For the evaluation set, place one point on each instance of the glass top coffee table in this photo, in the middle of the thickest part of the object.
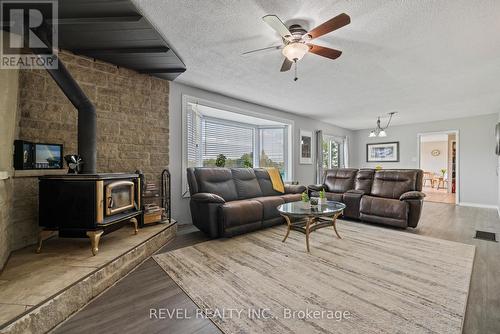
(306, 218)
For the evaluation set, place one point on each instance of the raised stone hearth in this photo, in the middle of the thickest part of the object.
(132, 132)
(38, 291)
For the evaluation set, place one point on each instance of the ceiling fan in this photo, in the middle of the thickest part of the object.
(296, 40)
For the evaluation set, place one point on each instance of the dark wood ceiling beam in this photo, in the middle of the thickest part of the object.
(118, 50)
(97, 20)
(161, 70)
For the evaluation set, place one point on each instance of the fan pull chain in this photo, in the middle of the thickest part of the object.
(296, 77)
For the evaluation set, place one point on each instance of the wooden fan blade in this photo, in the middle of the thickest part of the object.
(333, 24)
(287, 65)
(324, 52)
(275, 23)
(270, 48)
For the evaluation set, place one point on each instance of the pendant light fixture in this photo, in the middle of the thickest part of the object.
(379, 131)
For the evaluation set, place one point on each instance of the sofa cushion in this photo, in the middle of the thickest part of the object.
(393, 183)
(364, 180)
(291, 197)
(240, 212)
(217, 181)
(339, 180)
(270, 205)
(384, 207)
(265, 183)
(246, 183)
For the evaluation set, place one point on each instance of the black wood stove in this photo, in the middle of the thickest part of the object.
(88, 205)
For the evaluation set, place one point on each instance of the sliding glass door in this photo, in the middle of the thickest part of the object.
(333, 152)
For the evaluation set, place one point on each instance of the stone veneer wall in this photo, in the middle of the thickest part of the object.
(132, 127)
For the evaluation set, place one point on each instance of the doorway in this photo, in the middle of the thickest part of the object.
(438, 158)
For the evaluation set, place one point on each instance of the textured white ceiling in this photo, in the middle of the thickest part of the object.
(427, 59)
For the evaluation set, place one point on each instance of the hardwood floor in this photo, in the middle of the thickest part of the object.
(124, 308)
(439, 196)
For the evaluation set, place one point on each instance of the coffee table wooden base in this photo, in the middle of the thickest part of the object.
(311, 224)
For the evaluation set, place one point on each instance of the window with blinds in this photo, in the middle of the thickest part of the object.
(243, 144)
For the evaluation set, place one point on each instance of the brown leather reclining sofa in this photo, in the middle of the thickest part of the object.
(230, 201)
(391, 197)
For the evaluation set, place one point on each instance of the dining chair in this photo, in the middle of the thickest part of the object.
(428, 176)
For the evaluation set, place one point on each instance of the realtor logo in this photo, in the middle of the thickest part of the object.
(29, 39)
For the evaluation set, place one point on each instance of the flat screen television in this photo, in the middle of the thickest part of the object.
(29, 155)
(48, 156)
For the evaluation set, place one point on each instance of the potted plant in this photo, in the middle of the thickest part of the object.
(443, 172)
(322, 197)
(305, 197)
(220, 161)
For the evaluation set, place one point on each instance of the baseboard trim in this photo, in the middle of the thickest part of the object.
(480, 205)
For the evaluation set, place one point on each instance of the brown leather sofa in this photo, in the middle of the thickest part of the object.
(391, 197)
(230, 201)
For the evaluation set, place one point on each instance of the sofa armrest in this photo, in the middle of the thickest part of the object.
(316, 187)
(294, 189)
(412, 195)
(207, 198)
(355, 192)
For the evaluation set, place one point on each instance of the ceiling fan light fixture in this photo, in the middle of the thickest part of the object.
(372, 134)
(295, 51)
(382, 133)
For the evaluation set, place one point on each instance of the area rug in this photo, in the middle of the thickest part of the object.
(374, 280)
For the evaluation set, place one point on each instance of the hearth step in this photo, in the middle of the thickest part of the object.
(483, 235)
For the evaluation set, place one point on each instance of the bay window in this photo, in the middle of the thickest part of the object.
(243, 140)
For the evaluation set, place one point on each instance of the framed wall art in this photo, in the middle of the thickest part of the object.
(305, 147)
(382, 152)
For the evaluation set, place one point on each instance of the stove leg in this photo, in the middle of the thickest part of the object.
(43, 235)
(134, 223)
(94, 237)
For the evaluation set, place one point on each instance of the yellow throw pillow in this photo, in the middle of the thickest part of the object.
(276, 180)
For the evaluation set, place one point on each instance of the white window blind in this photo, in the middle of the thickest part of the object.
(193, 131)
(234, 141)
(272, 148)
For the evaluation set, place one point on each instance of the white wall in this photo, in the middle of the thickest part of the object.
(477, 165)
(430, 163)
(305, 174)
(498, 175)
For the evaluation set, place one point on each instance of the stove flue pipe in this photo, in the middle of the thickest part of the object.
(87, 117)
